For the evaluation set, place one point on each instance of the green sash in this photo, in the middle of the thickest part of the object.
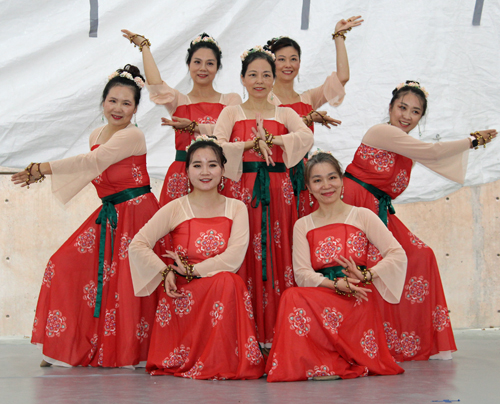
(385, 201)
(180, 155)
(262, 195)
(108, 214)
(335, 272)
(298, 180)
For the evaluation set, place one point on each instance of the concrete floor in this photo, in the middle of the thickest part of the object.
(470, 377)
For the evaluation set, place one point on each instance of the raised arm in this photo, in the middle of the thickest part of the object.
(150, 68)
(341, 52)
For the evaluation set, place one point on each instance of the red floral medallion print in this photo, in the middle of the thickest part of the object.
(136, 174)
(48, 274)
(100, 359)
(252, 352)
(183, 305)
(415, 241)
(357, 243)
(97, 180)
(248, 304)
(207, 120)
(391, 337)
(277, 234)
(299, 322)
(373, 253)
(35, 323)
(177, 185)
(85, 242)
(241, 193)
(440, 318)
(93, 344)
(124, 244)
(208, 243)
(56, 324)
(332, 319)
(194, 371)
(109, 271)
(328, 249)
(90, 293)
(178, 358)
(377, 204)
(369, 344)
(216, 313)
(319, 371)
(410, 344)
(289, 279)
(277, 289)
(286, 187)
(138, 200)
(274, 364)
(250, 287)
(163, 315)
(381, 160)
(400, 182)
(257, 246)
(417, 289)
(142, 330)
(181, 251)
(265, 296)
(110, 323)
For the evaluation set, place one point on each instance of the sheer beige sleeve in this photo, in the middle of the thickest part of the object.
(163, 94)
(331, 91)
(225, 99)
(232, 258)
(71, 175)
(299, 140)
(446, 158)
(145, 265)
(391, 270)
(304, 273)
(232, 150)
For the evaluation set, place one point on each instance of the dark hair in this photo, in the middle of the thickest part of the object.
(396, 94)
(322, 157)
(204, 44)
(123, 81)
(204, 144)
(275, 44)
(254, 56)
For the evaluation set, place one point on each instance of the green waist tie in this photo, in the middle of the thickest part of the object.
(335, 272)
(180, 155)
(262, 195)
(298, 180)
(385, 201)
(108, 214)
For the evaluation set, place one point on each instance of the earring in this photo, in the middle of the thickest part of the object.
(311, 202)
(188, 186)
(221, 185)
(244, 93)
(342, 193)
(135, 121)
(419, 132)
(102, 117)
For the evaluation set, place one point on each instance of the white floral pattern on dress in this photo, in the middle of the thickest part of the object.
(125, 241)
(194, 371)
(265, 296)
(373, 253)
(416, 242)
(357, 243)
(183, 305)
(207, 120)
(400, 182)
(247, 301)
(277, 289)
(136, 174)
(299, 322)
(90, 293)
(381, 160)
(97, 180)
(216, 313)
(328, 249)
(178, 358)
(369, 344)
(163, 315)
(417, 289)
(100, 359)
(250, 287)
(257, 246)
(274, 364)
(110, 323)
(440, 318)
(142, 330)
(108, 271)
(240, 192)
(287, 188)
(93, 344)
(35, 323)
(56, 324)
(177, 185)
(391, 337)
(277, 234)
(208, 243)
(137, 200)
(85, 242)
(319, 371)
(332, 319)
(48, 274)
(410, 344)
(289, 279)
(253, 353)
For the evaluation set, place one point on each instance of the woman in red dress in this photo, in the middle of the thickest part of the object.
(192, 113)
(330, 326)
(87, 312)
(419, 326)
(288, 54)
(205, 327)
(259, 174)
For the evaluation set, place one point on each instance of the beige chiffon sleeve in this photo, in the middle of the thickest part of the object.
(145, 265)
(163, 94)
(446, 158)
(331, 91)
(391, 270)
(232, 258)
(225, 99)
(72, 174)
(298, 141)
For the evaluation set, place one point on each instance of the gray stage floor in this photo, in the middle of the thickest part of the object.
(473, 376)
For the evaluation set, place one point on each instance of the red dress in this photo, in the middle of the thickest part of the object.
(271, 232)
(210, 332)
(419, 326)
(64, 320)
(321, 333)
(175, 183)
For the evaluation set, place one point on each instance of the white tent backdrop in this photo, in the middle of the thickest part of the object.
(53, 73)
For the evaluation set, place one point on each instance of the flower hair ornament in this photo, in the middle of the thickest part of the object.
(318, 151)
(415, 84)
(208, 38)
(257, 48)
(137, 80)
(204, 138)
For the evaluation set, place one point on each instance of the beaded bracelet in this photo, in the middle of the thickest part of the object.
(269, 138)
(190, 128)
(189, 268)
(164, 274)
(41, 177)
(341, 33)
(339, 292)
(365, 271)
(479, 138)
(256, 148)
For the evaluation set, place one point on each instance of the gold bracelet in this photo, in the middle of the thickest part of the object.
(256, 148)
(41, 177)
(308, 119)
(478, 137)
(365, 271)
(269, 138)
(144, 43)
(337, 290)
(164, 274)
(188, 267)
(341, 33)
(28, 171)
(190, 128)
(351, 292)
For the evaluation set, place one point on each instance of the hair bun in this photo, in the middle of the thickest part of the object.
(133, 70)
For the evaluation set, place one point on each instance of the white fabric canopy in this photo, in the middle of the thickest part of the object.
(53, 73)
